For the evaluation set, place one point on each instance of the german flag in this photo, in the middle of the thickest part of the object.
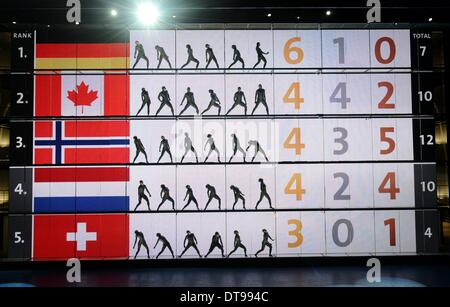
(81, 50)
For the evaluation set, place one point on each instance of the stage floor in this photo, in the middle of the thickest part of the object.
(417, 273)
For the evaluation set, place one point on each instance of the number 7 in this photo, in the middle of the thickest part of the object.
(423, 49)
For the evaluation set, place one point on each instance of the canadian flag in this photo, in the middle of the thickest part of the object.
(86, 99)
(82, 95)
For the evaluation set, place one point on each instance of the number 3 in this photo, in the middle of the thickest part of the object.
(296, 232)
(341, 140)
(19, 142)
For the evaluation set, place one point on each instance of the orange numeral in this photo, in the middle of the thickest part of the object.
(392, 50)
(385, 138)
(296, 232)
(391, 224)
(384, 103)
(293, 141)
(288, 50)
(392, 190)
(294, 186)
(296, 99)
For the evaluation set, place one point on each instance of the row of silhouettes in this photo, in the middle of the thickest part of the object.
(190, 241)
(210, 147)
(239, 100)
(211, 193)
(161, 55)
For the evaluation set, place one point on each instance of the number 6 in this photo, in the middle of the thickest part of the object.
(288, 49)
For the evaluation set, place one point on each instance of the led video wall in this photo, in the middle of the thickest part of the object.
(222, 144)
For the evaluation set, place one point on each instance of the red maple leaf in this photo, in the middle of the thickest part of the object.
(82, 96)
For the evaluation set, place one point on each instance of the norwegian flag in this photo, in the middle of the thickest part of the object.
(81, 142)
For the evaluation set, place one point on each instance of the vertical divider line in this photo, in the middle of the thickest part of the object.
(176, 156)
(224, 133)
(273, 120)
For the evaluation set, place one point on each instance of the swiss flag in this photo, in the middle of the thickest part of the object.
(83, 236)
(82, 95)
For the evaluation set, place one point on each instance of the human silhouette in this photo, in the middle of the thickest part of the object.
(212, 147)
(188, 147)
(237, 195)
(261, 56)
(191, 242)
(190, 101)
(165, 195)
(214, 102)
(139, 149)
(165, 244)
(145, 101)
(216, 241)
(237, 244)
(139, 53)
(260, 98)
(164, 147)
(236, 57)
(258, 149)
(210, 56)
(191, 198)
(212, 194)
(191, 57)
(141, 195)
(162, 55)
(140, 240)
(236, 147)
(164, 98)
(263, 193)
(239, 100)
(265, 242)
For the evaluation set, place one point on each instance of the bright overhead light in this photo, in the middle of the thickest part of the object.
(148, 13)
(298, 17)
(269, 15)
(328, 13)
(14, 22)
(113, 12)
(430, 19)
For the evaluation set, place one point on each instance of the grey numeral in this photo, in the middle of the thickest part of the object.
(341, 140)
(339, 195)
(343, 100)
(350, 233)
(341, 47)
